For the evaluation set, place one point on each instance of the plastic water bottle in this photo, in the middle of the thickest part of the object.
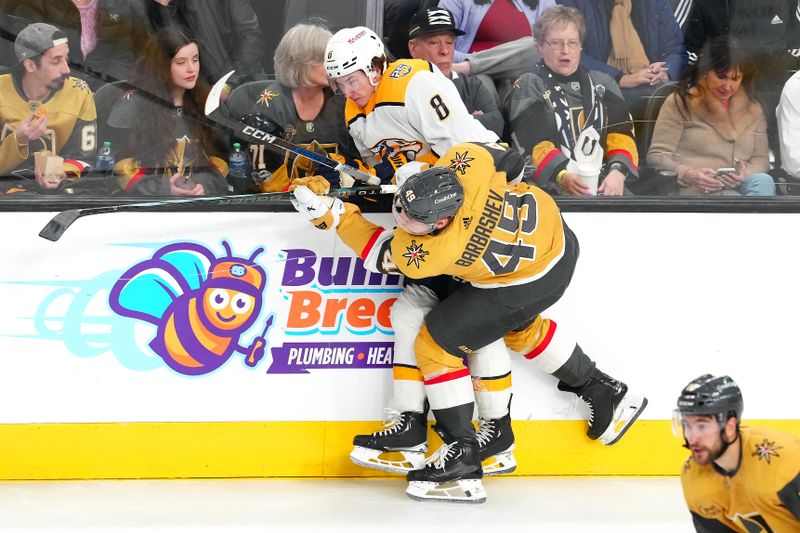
(105, 159)
(238, 171)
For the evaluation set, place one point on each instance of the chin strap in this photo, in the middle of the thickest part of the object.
(722, 450)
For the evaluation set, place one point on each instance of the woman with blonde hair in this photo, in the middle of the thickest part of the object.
(711, 131)
(300, 107)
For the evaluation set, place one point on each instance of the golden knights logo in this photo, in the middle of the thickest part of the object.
(415, 254)
(461, 162)
(266, 97)
(767, 450)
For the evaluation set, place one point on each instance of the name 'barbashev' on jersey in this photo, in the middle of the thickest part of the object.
(415, 110)
(503, 235)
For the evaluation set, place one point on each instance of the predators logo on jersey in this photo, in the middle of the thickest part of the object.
(401, 71)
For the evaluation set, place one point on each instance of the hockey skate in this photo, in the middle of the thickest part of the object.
(612, 409)
(452, 474)
(399, 448)
(496, 441)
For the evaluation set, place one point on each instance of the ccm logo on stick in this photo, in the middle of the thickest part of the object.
(258, 134)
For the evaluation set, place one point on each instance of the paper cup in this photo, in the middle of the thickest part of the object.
(590, 174)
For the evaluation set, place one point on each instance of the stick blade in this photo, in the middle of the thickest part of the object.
(213, 99)
(59, 224)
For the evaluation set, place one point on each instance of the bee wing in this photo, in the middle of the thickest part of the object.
(146, 291)
(192, 261)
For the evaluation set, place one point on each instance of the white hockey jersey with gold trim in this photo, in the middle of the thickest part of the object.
(416, 110)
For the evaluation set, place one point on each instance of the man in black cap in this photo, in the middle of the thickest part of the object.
(431, 36)
(42, 108)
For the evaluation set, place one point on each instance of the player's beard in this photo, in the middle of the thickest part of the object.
(711, 454)
(57, 83)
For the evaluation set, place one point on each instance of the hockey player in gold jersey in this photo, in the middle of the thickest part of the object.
(738, 478)
(395, 112)
(42, 108)
(463, 218)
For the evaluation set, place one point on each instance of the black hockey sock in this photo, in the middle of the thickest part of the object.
(457, 421)
(577, 370)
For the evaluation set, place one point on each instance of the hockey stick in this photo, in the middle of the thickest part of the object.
(249, 132)
(59, 224)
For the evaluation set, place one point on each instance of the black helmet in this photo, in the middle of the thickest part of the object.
(712, 395)
(431, 195)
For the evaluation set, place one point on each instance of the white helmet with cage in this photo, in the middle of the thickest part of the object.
(354, 49)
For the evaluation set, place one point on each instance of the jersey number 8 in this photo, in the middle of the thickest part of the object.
(438, 105)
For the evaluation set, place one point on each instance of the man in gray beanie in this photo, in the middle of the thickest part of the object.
(44, 109)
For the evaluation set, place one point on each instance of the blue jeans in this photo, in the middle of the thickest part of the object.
(760, 184)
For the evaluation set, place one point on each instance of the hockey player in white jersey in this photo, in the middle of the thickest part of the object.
(397, 112)
(400, 112)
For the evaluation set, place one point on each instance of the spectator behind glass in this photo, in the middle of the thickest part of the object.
(638, 43)
(160, 113)
(396, 16)
(42, 108)
(789, 126)
(227, 32)
(551, 107)
(432, 36)
(300, 107)
(487, 23)
(713, 122)
(103, 34)
(768, 32)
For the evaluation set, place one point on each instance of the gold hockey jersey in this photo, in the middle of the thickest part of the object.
(762, 496)
(71, 125)
(503, 234)
(415, 110)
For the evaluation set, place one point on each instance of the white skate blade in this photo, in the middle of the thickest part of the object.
(500, 463)
(458, 491)
(625, 415)
(397, 462)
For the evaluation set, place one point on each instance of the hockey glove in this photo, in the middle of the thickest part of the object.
(317, 184)
(323, 211)
(340, 179)
(388, 166)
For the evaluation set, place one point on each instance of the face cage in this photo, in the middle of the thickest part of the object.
(397, 211)
(679, 425)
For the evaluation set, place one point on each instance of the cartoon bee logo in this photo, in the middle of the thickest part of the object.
(200, 304)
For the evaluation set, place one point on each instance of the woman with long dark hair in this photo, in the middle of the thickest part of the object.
(711, 131)
(171, 151)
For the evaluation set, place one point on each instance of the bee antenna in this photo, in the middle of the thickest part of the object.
(227, 247)
(255, 254)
